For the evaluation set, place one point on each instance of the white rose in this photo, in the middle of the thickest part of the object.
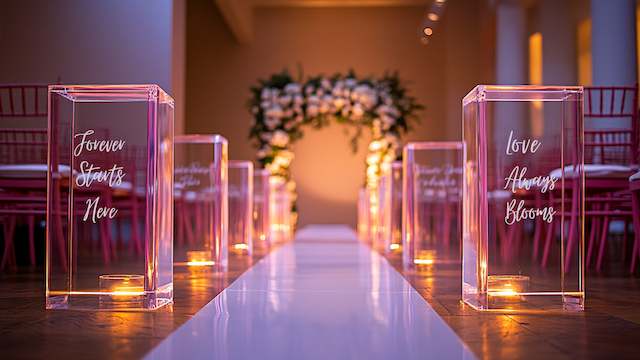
(313, 99)
(280, 138)
(266, 136)
(275, 112)
(312, 110)
(284, 100)
(292, 88)
(339, 103)
(263, 152)
(272, 123)
(357, 111)
(265, 93)
(309, 90)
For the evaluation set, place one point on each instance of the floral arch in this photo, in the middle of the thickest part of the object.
(282, 107)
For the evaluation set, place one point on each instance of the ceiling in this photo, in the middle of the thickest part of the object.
(238, 14)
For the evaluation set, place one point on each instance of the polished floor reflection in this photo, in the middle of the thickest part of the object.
(609, 328)
(324, 296)
(28, 331)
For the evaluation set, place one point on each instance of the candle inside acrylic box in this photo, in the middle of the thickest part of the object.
(110, 218)
(432, 193)
(280, 213)
(523, 212)
(241, 207)
(363, 215)
(200, 202)
(261, 198)
(390, 189)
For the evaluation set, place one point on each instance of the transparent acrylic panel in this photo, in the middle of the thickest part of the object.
(241, 207)
(109, 209)
(363, 215)
(261, 198)
(200, 201)
(435, 198)
(391, 195)
(280, 211)
(523, 201)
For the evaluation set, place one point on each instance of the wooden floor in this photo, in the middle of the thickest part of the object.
(609, 328)
(28, 331)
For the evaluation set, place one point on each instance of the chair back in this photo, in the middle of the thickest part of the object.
(611, 125)
(23, 100)
(23, 146)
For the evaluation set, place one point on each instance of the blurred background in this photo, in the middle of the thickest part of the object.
(207, 54)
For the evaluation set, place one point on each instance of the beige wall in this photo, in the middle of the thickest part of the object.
(370, 40)
(87, 42)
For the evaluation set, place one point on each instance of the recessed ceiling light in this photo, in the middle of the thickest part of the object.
(428, 31)
(433, 16)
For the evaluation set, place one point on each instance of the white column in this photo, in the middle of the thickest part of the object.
(613, 42)
(558, 30)
(178, 63)
(511, 44)
(511, 68)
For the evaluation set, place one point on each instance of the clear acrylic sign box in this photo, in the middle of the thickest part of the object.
(261, 198)
(432, 204)
(391, 207)
(523, 202)
(109, 219)
(200, 202)
(241, 207)
(280, 213)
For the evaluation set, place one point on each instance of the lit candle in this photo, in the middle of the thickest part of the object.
(509, 287)
(240, 248)
(425, 257)
(199, 258)
(122, 286)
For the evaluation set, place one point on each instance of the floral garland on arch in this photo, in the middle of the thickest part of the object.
(282, 106)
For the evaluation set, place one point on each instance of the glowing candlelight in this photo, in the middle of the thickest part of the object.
(507, 286)
(199, 258)
(240, 248)
(122, 285)
(425, 257)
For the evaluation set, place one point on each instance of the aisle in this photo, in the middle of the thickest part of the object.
(323, 296)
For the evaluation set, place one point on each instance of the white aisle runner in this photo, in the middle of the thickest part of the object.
(323, 296)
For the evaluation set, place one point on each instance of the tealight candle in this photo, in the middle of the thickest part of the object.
(121, 290)
(425, 257)
(240, 248)
(510, 287)
(199, 258)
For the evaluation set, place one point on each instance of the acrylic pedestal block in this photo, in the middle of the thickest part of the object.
(280, 211)
(523, 201)
(391, 207)
(241, 207)
(432, 203)
(363, 215)
(118, 142)
(200, 201)
(261, 198)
